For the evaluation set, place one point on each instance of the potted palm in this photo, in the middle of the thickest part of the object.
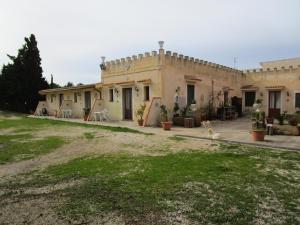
(166, 125)
(258, 126)
(140, 114)
(86, 112)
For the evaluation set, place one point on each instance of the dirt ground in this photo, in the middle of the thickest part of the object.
(104, 142)
(41, 210)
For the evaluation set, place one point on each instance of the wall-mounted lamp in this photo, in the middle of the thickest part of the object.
(116, 90)
(261, 94)
(136, 90)
(177, 89)
(287, 94)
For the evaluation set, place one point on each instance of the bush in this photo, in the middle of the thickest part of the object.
(293, 121)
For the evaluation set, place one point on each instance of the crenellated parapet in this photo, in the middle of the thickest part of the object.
(156, 60)
(273, 70)
(194, 64)
(135, 63)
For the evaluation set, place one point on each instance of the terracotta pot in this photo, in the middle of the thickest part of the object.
(141, 122)
(258, 135)
(166, 125)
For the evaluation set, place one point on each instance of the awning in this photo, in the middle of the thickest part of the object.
(146, 81)
(275, 87)
(228, 89)
(126, 83)
(249, 88)
(191, 78)
(73, 88)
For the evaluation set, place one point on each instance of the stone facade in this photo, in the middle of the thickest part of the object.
(162, 77)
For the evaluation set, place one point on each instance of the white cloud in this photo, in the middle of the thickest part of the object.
(72, 35)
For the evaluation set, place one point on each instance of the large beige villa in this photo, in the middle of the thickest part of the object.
(163, 77)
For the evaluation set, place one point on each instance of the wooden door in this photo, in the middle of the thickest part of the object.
(87, 99)
(274, 103)
(127, 103)
(190, 94)
(61, 98)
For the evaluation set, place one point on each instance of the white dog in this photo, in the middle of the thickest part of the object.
(211, 133)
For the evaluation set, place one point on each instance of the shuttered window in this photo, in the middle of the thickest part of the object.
(249, 98)
(297, 100)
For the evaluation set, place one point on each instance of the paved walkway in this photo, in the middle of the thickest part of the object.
(237, 131)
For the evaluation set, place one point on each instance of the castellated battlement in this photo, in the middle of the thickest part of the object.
(272, 70)
(155, 60)
(194, 63)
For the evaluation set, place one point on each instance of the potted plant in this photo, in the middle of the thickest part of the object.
(258, 126)
(164, 118)
(86, 112)
(257, 104)
(140, 114)
(193, 106)
(281, 118)
(178, 115)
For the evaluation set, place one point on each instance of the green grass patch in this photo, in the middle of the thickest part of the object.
(89, 135)
(21, 147)
(212, 187)
(25, 122)
(177, 138)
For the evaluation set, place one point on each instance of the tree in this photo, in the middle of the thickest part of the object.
(69, 84)
(52, 84)
(22, 78)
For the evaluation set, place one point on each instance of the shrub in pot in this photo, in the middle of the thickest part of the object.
(281, 118)
(166, 125)
(293, 121)
(258, 126)
(86, 112)
(140, 114)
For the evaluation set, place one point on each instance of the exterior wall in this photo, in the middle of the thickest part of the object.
(77, 108)
(288, 78)
(214, 80)
(295, 62)
(135, 73)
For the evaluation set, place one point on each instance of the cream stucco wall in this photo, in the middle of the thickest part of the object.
(77, 107)
(134, 72)
(180, 71)
(288, 78)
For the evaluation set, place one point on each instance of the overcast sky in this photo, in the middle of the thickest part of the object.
(73, 35)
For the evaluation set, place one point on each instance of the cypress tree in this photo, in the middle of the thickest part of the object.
(22, 78)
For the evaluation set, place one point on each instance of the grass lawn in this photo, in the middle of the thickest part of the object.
(230, 184)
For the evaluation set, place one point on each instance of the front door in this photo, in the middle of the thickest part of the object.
(61, 98)
(87, 100)
(127, 103)
(190, 94)
(274, 103)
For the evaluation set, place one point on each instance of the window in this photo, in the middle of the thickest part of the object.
(190, 93)
(249, 98)
(274, 99)
(146, 93)
(297, 100)
(111, 95)
(75, 97)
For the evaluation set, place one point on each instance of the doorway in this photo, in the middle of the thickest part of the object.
(274, 103)
(87, 99)
(127, 103)
(190, 94)
(61, 98)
